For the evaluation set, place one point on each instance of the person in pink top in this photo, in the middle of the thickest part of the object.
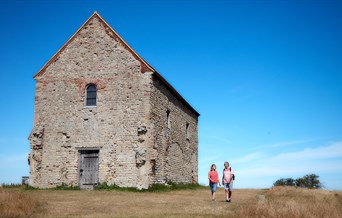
(227, 181)
(213, 180)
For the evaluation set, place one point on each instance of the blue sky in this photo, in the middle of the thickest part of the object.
(266, 77)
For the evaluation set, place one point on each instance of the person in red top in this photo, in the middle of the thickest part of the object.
(213, 180)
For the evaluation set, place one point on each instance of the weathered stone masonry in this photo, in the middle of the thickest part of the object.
(128, 127)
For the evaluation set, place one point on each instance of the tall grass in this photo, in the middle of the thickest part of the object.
(283, 202)
(162, 201)
(10, 185)
(15, 204)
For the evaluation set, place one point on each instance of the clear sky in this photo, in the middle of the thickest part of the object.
(266, 77)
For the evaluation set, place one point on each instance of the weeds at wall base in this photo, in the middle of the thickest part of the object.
(170, 186)
(153, 188)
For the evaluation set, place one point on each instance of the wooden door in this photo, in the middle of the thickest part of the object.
(88, 168)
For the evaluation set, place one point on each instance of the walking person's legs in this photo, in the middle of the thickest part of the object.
(213, 187)
(228, 191)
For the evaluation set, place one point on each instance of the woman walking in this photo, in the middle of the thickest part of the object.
(213, 180)
(227, 181)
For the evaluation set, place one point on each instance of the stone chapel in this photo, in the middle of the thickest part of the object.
(103, 114)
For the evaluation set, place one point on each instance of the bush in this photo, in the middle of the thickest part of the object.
(310, 181)
(285, 182)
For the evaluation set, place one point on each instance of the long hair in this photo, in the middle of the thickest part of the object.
(211, 167)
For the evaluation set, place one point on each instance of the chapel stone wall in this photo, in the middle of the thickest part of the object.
(129, 125)
(175, 152)
(117, 126)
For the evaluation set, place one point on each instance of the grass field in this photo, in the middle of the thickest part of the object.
(276, 202)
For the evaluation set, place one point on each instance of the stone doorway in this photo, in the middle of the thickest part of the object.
(88, 168)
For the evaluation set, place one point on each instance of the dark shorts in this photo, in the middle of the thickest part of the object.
(213, 187)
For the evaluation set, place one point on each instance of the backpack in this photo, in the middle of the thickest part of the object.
(230, 171)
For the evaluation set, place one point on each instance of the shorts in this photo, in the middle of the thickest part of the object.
(228, 186)
(213, 187)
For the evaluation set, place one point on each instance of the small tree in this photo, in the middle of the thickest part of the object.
(308, 181)
(285, 182)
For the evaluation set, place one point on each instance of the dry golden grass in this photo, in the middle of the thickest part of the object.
(16, 204)
(296, 202)
(185, 203)
(277, 202)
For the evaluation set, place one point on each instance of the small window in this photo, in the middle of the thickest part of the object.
(153, 167)
(91, 95)
(187, 131)
(168, 119)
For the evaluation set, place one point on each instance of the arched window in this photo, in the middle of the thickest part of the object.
(91, 95)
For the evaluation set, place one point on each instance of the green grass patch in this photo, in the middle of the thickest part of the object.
(59, 187)
(29, 188)
(153, 188)
(66, 187)
(104, 186)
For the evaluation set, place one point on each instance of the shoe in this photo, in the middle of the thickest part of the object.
(227, 200)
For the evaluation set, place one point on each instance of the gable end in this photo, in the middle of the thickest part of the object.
(145, 67)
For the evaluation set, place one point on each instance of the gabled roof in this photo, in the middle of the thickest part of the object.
(145, 67)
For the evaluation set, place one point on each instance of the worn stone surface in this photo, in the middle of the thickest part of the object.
(176, 154)
(128, 124)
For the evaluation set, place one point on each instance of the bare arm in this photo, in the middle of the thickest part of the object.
(231, 178)
(209, 177)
